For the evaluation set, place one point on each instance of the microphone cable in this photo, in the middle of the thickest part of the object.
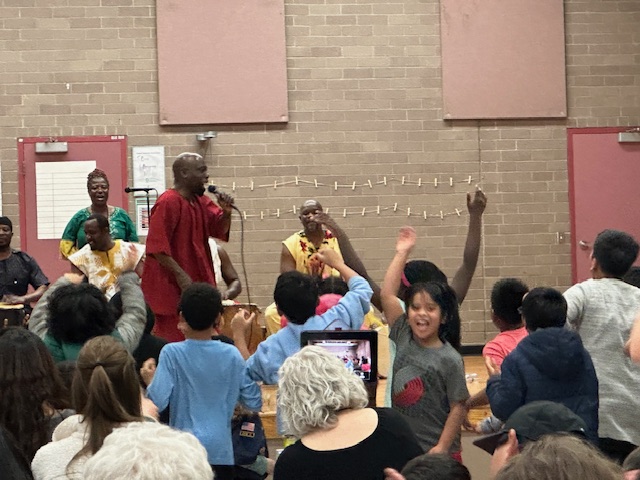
(214, 190)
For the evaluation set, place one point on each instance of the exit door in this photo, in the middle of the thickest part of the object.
(603, 189)
(52, 187)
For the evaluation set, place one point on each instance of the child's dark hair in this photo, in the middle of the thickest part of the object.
(544, 307)
(445, 297)
(615, 252)
(423, 271)
(296, 295)
(633, 277)
(333, 284)
(78, 312)
(435, 467)
(506, 299)
(201, 305)
(116, 305)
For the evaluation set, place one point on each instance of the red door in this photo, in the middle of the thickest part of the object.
(603, 189)
(52, 187)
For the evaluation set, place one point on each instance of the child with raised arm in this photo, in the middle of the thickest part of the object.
(424, 271)
(429, 385)
(203, 379)
(296, 296)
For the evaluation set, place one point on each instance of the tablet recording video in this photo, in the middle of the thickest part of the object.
(358, 349)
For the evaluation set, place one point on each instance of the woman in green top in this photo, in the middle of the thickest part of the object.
(120, 225)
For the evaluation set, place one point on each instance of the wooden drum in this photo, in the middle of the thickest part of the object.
(257, 332)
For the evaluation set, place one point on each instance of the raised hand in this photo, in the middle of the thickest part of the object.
(241, 321)
(478, 203)
(148, 370)
(328, 257)
(323, 218)
(406, 240)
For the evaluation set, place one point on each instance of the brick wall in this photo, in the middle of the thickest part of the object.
(365, 104)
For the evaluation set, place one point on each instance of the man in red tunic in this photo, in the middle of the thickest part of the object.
(177, 247)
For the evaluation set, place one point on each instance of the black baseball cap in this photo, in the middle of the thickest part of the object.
(532, 421)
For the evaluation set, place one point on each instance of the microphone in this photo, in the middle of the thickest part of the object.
(213, 189)
(137, 189)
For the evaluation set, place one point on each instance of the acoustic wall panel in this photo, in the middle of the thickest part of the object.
(221, 61)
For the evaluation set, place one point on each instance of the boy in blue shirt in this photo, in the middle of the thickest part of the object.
(296, 296)
(203, 379)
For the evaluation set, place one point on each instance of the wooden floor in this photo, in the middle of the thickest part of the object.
(476, 380)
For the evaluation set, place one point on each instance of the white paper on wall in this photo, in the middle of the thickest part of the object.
(148, 169)
(61, 190)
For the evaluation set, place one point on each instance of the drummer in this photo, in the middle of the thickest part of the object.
(17, 271)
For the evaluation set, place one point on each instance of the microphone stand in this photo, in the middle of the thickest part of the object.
(146, 193)
(149, 206)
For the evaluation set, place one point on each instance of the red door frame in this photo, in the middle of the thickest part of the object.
(571, 132)
(84, 139)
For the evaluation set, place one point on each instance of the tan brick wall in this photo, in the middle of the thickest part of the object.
(365, 103)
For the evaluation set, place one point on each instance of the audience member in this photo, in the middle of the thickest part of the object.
(422, 271)
(250, 450)
(149, 345)
(67, 371)
(197, 373)
(430, 466)
(632, 277)
(149, 451)
(120, 225)
(323, 405)
(559, 457)
(550, 364)
(102, 260)
(528, 424)
(71, 312)
(631, 465)
(106, 394)
(33, 399)
(296, 296)
(506, 300)
(330, 290)
(602, 310)
(13, 464)
(429, 385)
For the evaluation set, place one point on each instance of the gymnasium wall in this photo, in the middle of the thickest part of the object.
(365, 105)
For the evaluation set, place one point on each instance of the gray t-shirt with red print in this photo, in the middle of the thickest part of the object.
(426, 381)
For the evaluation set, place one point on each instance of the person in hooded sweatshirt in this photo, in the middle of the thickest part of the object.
(550, 364)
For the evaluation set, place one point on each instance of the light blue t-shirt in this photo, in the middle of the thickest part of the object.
(347, 314)
(202, 381)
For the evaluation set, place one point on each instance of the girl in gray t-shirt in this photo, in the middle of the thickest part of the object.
(429, 385)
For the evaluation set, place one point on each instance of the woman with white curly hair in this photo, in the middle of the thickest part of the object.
(323, 404)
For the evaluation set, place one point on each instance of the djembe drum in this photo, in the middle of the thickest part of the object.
(256, 333)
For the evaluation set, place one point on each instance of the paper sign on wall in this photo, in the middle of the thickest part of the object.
(61, 190)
